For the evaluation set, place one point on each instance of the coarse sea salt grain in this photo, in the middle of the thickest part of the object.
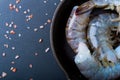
(28, 27)
(25, 12)
(40, 40)
(17, 56)
(20, 7)
(10, 38)
(12, 62)
(6, 24)
(36, 54)
(7, 32)
(49, 21)
(55, 4)
(13, 69)
(6, 45)
(30, 65)
(13, 48)
(47, 49)
(45, 1)
(19, 35)
(46, 14)
(28, 10)
(4, 74)
(3, 54)
(35, 29)
(12, 32)
(41, 27)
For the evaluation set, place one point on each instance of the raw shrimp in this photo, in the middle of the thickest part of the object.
(107, 4)
(91, 68)
(103, 62)
(88, 63)
(76, 26)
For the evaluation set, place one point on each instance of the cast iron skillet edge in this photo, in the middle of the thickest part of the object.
(51, 37)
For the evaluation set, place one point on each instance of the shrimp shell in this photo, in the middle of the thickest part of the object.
(75, 30)
(91, 68)
(102, 63)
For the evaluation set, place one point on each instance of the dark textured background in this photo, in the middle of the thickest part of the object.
(44, 65)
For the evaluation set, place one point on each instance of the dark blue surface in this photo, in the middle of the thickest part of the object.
(44, 65)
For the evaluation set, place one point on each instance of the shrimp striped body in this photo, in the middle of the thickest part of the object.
(76, 26)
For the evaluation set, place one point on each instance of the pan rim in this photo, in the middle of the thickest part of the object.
(51, 38)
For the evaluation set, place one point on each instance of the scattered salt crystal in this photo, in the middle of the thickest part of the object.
(27, 20)
(45, 1)
(45, 23)
(10, 25)
(47, 49)
(25, 12)
(3, 54)
(14, 6)
(7, 32)
(13, 48)
(12, 62)
(9, 38)
(49, 21)
(36, 54)
(46, 14)
(28, 10)
(28, 27)
(55, 3)
(6, 36)
(14, 26)
(20, 7)
(4, 74)
(29, 17)
(30, 65)
(16, 9)
(35, 29)
(6, 45)
(41, 27)
(13, 69)
(17, 56)
(19, 35)
(10, 4)
(12, 32)
(6, 24)
(18, 1)
(40, 40)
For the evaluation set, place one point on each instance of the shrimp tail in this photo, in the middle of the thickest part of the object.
(85, 61)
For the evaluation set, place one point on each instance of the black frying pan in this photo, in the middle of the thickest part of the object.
(61, 50)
